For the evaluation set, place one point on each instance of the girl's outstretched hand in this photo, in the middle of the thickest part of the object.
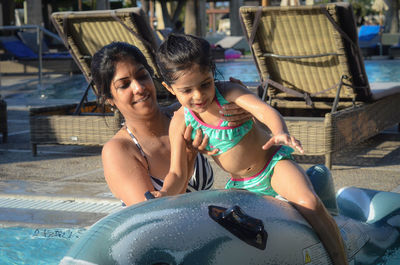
(284, 139)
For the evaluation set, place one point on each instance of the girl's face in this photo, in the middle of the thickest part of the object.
(132, 88)
(194, 88)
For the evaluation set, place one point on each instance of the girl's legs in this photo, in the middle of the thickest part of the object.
(291, 182)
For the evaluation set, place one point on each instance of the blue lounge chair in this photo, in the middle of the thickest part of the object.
(16, 50)
(19, 50)
(369, 39)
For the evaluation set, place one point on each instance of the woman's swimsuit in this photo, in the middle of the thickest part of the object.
(202, 178)
(222, 136)
(261, 182)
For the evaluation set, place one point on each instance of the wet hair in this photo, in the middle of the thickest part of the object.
(180, 52)
(104, 62)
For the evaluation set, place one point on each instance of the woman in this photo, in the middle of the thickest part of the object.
(137, 158)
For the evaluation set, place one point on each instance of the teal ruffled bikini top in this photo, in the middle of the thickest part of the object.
(222, 136)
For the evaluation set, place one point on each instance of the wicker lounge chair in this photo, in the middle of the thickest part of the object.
(84, 33)
(3, 119)
(313, 72)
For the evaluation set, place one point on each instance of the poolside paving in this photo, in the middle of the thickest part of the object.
(74, 173)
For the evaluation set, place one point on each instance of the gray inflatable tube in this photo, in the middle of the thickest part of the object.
(238, 227)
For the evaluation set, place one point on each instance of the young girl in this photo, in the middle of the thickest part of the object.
(257, 161)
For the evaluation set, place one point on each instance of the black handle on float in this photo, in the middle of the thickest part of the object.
(249, 229)
(148, 195)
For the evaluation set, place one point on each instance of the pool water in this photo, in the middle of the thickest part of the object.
(246, 71)
(20, 245)
(383, 71)
(73, 89)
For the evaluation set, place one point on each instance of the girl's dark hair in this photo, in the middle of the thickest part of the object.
(103, 65)
(180, 52)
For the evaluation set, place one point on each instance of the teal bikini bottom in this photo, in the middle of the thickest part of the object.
(261, 182)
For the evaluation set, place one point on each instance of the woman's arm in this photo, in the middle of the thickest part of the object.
(125, 171)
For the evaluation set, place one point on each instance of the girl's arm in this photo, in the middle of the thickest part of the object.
(176, 180)
(125, 171)
(247, 100)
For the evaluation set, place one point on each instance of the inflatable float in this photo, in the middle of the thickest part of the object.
(239, 227)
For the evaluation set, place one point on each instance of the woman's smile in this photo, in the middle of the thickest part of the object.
(143, 98)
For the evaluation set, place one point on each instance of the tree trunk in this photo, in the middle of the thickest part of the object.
(190, 17)
(195, 17)
(7, 12)
(236, 28)
(34, 12)
(170, 12)
(392, 17)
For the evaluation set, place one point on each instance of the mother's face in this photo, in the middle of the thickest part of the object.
(132, 89)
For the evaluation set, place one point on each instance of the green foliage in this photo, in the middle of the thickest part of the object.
(362, 6)
(361, 9)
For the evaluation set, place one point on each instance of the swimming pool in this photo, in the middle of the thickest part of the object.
(377, 71)
(21, 245)
(73, 88)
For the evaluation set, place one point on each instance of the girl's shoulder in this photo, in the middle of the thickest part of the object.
(179, 114)
(230, 90)
(177, 124)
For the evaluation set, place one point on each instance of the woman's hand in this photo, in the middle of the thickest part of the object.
(158, 194)
(199, 143)
(232, 113)
(237, 81)
(284, 139)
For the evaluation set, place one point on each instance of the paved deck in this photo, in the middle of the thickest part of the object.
(64, 185)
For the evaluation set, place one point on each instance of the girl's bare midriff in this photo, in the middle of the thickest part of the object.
(246, 163)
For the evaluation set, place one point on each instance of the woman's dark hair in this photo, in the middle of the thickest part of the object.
(103, 65)
(181, 52)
